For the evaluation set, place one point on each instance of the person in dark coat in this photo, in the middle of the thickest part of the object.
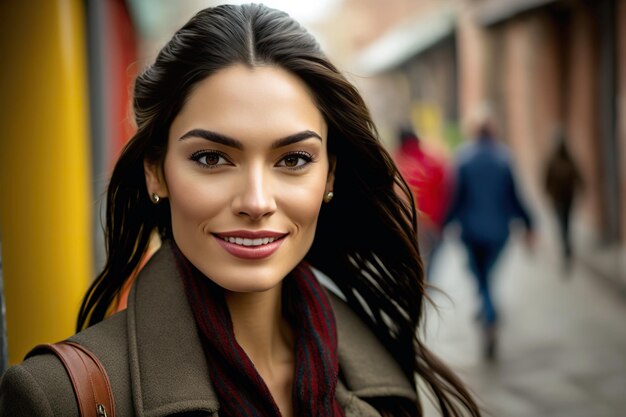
(562, 183)
(485, 201)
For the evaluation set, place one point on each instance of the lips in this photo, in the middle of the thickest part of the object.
(249, 244)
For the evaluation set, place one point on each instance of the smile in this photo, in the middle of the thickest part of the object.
(249, 242)
(246, 244)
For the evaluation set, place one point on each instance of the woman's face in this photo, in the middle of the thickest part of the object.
(245, 172)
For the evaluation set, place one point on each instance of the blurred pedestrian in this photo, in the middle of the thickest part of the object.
(562, 183)
(428, 177)
(484, 202)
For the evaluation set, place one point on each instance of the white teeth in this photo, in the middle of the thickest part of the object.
(249, 242)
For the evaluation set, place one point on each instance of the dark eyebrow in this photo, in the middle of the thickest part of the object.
(296, 137)
(234, 143)
(213, 137)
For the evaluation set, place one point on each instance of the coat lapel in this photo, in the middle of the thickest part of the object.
(169, 372)
(367, 367)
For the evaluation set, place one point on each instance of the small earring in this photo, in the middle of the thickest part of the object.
(155, 198)
(329, 196)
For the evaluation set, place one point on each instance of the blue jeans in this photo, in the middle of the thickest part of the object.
(482, 258)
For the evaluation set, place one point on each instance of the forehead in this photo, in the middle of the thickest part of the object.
(241, 101)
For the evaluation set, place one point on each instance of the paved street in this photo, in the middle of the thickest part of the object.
(562, 345)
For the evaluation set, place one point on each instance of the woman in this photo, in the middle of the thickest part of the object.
(254, 158)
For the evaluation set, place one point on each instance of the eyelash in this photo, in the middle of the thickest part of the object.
(307, 157)
(196, 156)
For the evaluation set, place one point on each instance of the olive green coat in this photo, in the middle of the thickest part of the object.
(157, 366)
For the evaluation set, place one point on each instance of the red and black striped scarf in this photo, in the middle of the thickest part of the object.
(240, 388)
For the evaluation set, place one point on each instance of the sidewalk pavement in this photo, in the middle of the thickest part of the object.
(562, 342)
(606, 261)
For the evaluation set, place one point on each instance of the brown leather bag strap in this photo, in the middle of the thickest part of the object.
(89, 378)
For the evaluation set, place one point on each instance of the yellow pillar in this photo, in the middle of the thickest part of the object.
(45, 203)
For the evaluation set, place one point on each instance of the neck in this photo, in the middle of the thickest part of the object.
(260, 328)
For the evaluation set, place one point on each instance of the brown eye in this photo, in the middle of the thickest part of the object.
(210, 159)
(291, 161)
(295, 161)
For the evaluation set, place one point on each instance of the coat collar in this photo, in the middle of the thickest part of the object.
(168, 368)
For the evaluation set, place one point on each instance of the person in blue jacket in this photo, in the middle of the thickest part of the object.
(485, 200)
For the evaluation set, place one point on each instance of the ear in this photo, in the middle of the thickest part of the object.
(155, 181)
(330, 180)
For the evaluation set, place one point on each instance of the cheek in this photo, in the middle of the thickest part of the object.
(303, 203)
(193, 199)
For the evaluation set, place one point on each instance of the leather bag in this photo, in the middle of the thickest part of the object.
(89, 378)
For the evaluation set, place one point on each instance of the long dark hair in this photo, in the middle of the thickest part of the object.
(366, 237)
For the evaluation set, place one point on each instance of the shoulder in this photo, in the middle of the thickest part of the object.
(40, 385)
(37, 387)
(503, 152)
(108, 340)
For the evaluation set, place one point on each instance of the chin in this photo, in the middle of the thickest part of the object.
(241, 276)
(248, 287)
(248, 280)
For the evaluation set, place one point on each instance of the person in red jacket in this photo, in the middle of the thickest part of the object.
(428, 176)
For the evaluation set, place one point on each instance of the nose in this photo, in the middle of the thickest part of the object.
(255, 199)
